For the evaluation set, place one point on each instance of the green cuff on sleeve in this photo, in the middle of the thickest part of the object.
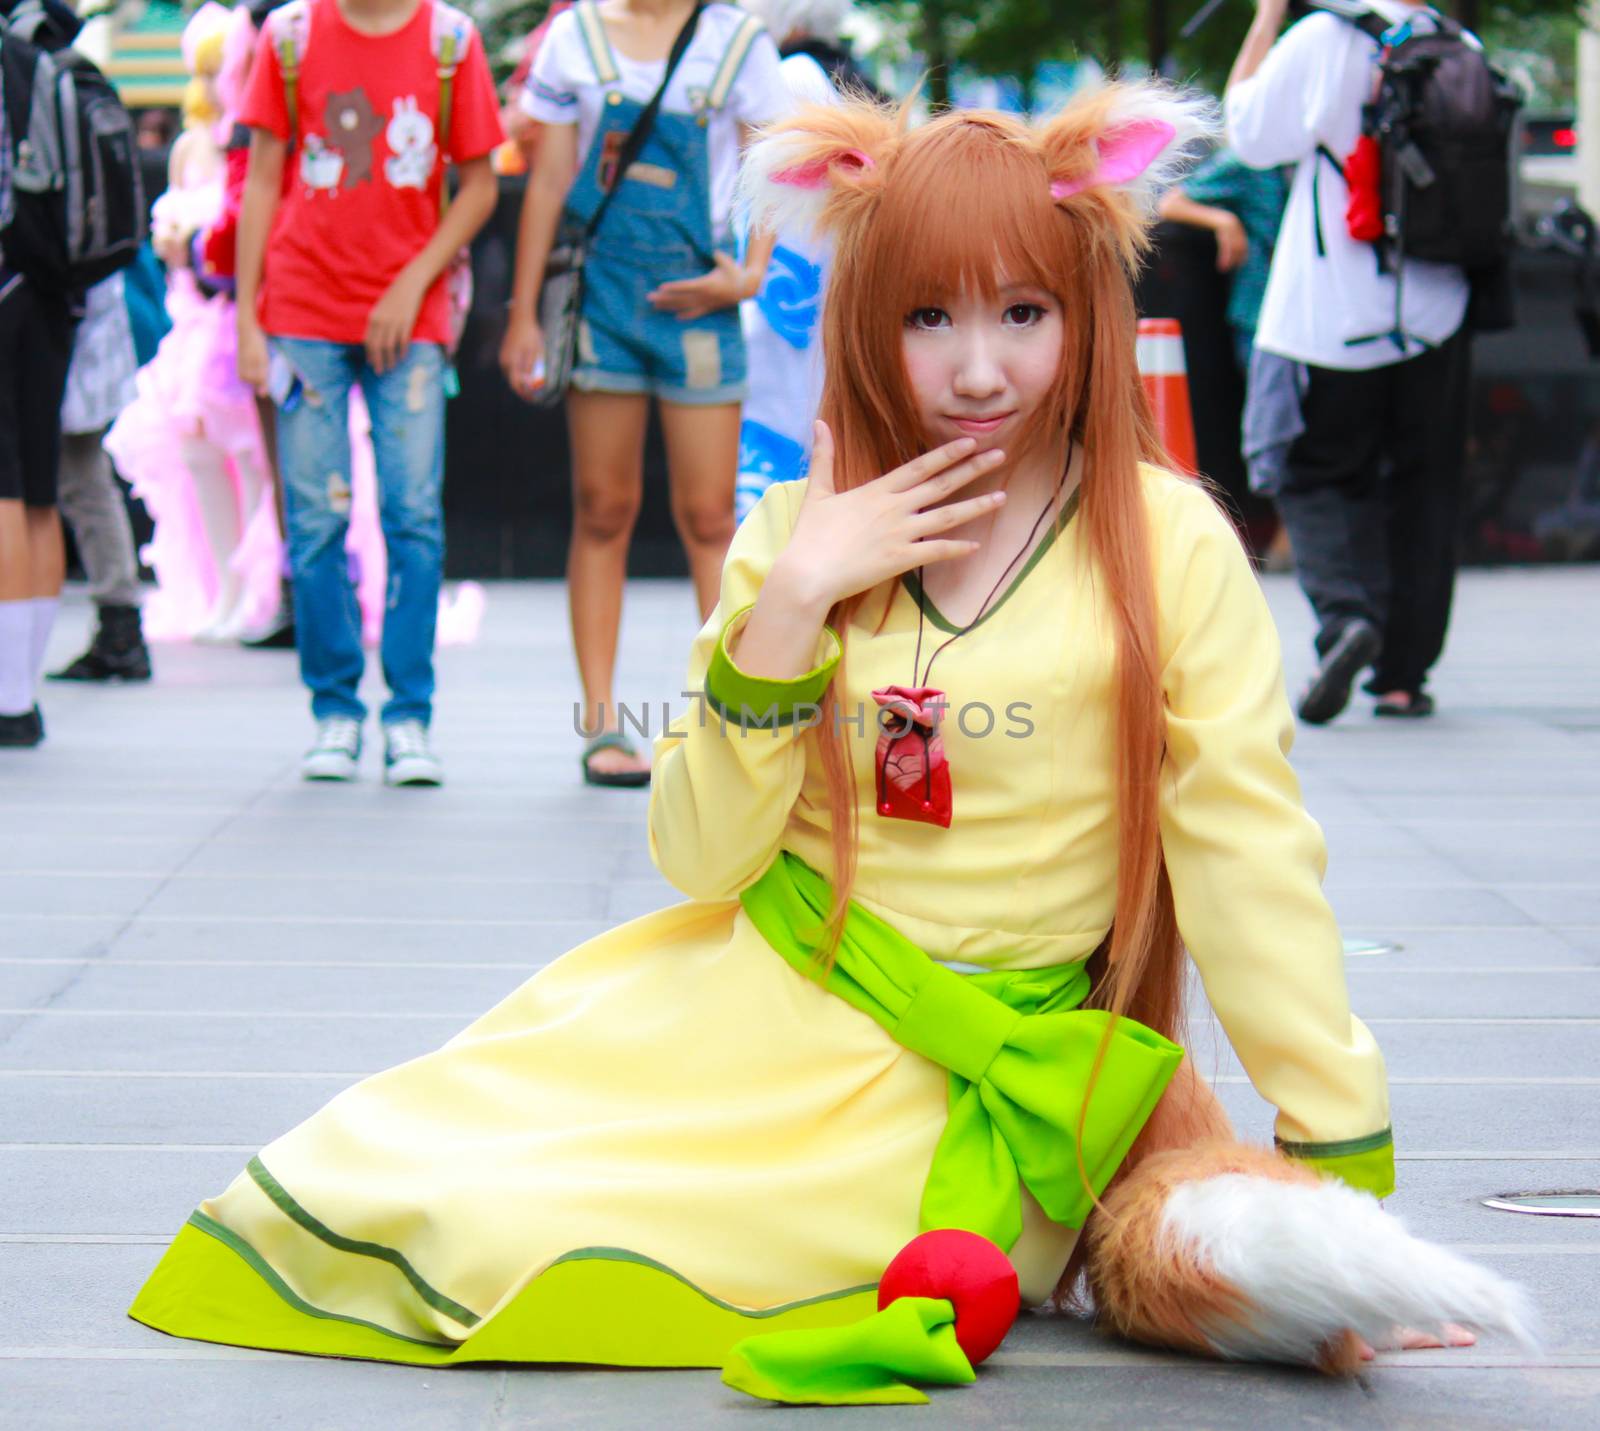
(1365, 1163)
(755, 702)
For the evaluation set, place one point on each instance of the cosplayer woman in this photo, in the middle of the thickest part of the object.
(189, 443)
(686, 1130)
(661, 295)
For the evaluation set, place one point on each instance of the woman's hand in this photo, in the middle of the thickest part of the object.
(726, 286)
(252, 359)
(392, 320)
(1405, 1339)
(846, 542)
(520, 352)
(1233, 244)
(171, 246)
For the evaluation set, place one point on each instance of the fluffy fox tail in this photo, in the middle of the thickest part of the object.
(1235, 1252)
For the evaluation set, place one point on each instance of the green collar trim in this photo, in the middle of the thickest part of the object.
(918, 594)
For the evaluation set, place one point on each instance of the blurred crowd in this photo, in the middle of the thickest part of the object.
(266, 356)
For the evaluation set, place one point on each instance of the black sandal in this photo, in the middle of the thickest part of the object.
(1419, 704)
(616, 779)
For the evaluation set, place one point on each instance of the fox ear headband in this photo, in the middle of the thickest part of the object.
(825, 165)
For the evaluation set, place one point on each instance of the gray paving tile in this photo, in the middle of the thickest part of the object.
(68, 819)
(1437, 835)
(1455, 1050)
(88, 849)
(1400, 907)
(1348, 870)
(1466, 993)
(1443, 1201)
(393, 940)
(123, 1192)
(1577, 905)
(293, 988)
(1446, 950)
(296, 855)
(67, 894)
(245, 1042)
(400, 899)
(36, 937)
(242, 1394)
(1449, 1117)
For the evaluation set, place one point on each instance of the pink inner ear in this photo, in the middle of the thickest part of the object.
(1125, 153)
(814, 175)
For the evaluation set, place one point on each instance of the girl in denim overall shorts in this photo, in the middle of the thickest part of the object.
(662, 288)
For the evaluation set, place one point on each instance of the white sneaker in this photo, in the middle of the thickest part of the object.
(407, 760)
(336, 752)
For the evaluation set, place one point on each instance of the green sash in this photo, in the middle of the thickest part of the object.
(1021, 1053)
(1019, 1049)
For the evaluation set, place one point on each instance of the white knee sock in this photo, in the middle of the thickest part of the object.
(44, 617)
(16, 657)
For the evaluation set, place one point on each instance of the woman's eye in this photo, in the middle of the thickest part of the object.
(1024, 315)
(927, 318)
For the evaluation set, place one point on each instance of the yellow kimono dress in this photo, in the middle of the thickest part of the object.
(669, 1138)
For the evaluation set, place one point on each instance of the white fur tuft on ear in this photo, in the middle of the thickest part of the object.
(783, 182)
(816, 167)
(1187, 121)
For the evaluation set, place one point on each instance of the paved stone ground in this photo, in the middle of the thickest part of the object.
(197, 951)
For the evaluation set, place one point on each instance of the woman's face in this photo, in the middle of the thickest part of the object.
(979, 367)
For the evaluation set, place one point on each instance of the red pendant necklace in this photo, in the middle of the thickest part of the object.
(913, 770)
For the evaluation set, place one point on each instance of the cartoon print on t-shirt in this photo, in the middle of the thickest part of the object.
(320, 166)
(410, 136)
(351, 122)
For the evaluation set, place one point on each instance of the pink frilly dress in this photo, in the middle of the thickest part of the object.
(192, 388)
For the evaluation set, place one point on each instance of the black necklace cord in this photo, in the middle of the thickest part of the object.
(1026, 547)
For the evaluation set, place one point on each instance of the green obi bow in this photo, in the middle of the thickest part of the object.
(1019, 1049)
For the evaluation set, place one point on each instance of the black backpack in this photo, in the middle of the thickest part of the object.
(1442, 117)
(78, 201)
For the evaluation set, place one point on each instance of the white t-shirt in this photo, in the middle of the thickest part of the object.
(1310, 91)
(562, 88)
(783, 337)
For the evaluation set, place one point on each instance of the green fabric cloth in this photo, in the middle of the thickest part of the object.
(859, 1365)
(1020, 1052)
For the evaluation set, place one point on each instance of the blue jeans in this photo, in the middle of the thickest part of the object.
(407, 409)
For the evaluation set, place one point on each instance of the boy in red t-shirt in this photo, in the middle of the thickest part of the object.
(342, 209)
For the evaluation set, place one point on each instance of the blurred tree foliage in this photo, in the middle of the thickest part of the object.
(504, 25)
(1013, 37)
(1536, 38)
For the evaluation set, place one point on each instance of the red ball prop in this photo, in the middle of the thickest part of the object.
(970, 1273)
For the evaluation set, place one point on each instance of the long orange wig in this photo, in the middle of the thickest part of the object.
(967, 202)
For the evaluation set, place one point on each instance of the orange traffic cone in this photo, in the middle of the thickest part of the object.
(1166, 384)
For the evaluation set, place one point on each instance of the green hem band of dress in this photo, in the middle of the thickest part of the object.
(756, 703)
(1030, 1070)
(1020, 1052)
(601, 1306)
(1366, 1163)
